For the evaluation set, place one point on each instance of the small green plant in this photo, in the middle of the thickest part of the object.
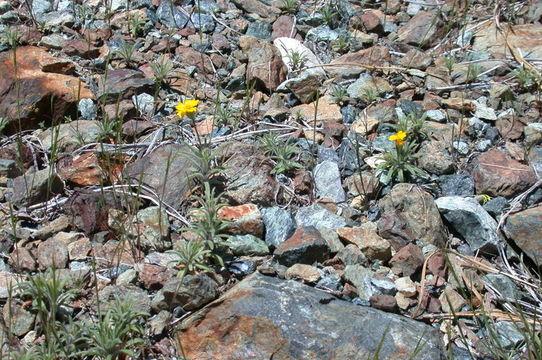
(399, 163)
(109, 128)
(413, 124)
(192, 256)
(449, 62)
(289, 6)
(329, 15)
(127, 53)
(338, 94)
(117, 335)
(298, 60)
(135, 25)
(162, 69)
(342, 44)
(3, 123)
(204, 163)
(224, 115)
(49, 295)
(527, 79)
(473, 71)
(483, 198)
(281, 152)
(369, 95)
(10, 36)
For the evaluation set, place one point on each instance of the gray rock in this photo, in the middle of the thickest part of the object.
(509, 336)
(41, 6)
(150, 229)
(167, 171)
(483, 145)
(471, 221)
(279, 319)
(525, 229)
(327, 154)
(318, 216)
(456, 185)
(192, 293)
(247, 245)
(332, 239)
(203, 22)
(87, 109)
(327, 180)
(461, 147)
(70, 136)
(171, 16)
(279, 225)
(144, 103)
(18, 320)
(322, 33)
(504, 285)
(259, 29)
(9, 168)
(53, 41)
(352, 255)
(361, 278)
(134, 295)
(36, 187)
(52, 253)
(436, 115)
(495, 207)
(330, 282)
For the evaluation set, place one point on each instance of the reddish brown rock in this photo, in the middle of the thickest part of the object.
(305, 246)
(306, 273)
(437, 264)
(384, 302)
(243, 325)
(29, 95)
(22, 259)
(525, 229)
(407, 261)
(367, 240)
(245, 219)
(80, 47)
(284, 26)
(154, 277)
(496, 174)
(81, 170)
(421, 30)
(52, 253)
(265, 66)
(510, 127)
(373, 20)
(374, 55)
(122, 84)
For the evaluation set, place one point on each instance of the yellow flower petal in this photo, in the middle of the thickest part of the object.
(187, 107)
(399, 138)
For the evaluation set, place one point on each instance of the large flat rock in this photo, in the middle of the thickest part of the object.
(268, 318)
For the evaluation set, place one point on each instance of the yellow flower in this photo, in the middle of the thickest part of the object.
(187, 107)
(398, 137)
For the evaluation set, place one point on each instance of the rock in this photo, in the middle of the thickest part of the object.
(284, 27)
(321, 33)
(257, 7)
(305, 273)
(416, 210)
(8, 281)
(160, 322)
(327, 180)
(305, 246)
(18, 320)
(265, 66)
(508, 335)
(504, 285)
(384, 302)
(245, 219)
(406, 286)
(533, 134)
(192, 293)
(171, 16)
(42, 90)
(527, 36)
(525, 229)
(131, 294)
(81, 48)
(351, 255)
(451, 301)
(373, 55)
(367, 240)
(421, 30)
(328, 111)
(166, 170)
(52, 253)
(318, 216)
(81, 170)
(22, 260)
(360, 277)
(241, 267)
(279, 225)
(150, 229)
(87, 109)
(471, 221)
(153, 277)
(259, 29)
(332, 239)
(79, 249)
(36, 187)
(368, 84)
(247, 173)
(247, 245)
(407, 261)
(305, 86)
(70, 136)
(456, 185)
(496, 206)
(253, 327)
(122, 84)
(496, 174)
(437, 159)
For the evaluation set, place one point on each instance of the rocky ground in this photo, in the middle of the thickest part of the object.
(361, 179)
